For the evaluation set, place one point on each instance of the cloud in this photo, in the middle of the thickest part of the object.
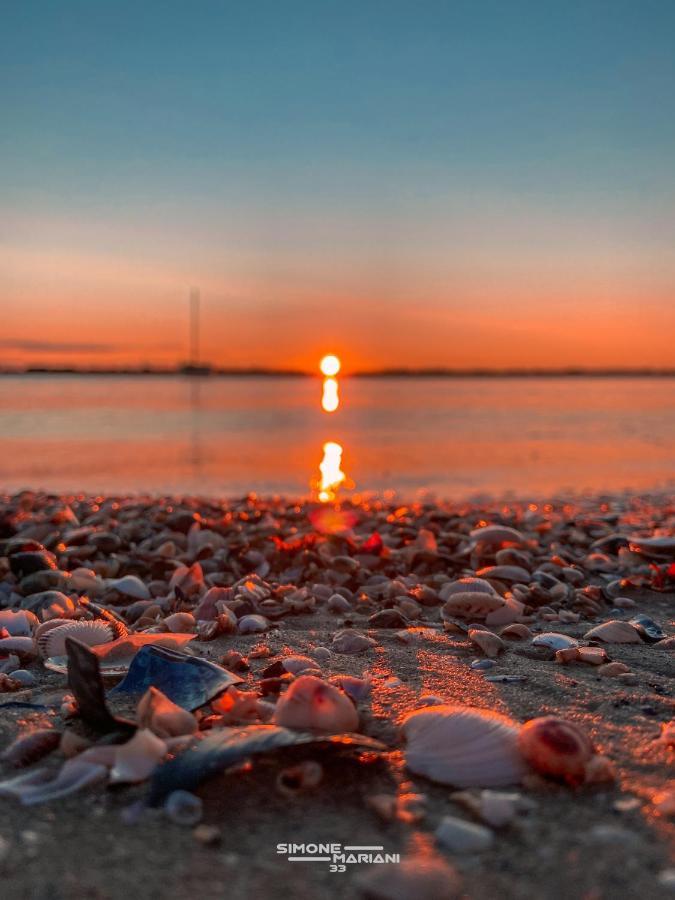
(31, 346)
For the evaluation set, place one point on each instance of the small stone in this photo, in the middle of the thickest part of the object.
(460, 836)
(482, 663)
(209, 835)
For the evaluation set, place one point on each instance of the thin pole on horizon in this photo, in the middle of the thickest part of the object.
(194, 326)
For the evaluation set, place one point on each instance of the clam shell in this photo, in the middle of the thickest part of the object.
(556, 748)
(52, 643)
(313, 703)
(554, 641)
(614, 632)
(497, 535)
(471, 605)
(489, 643)
(465, 586)
(350, 641)
(18, 624)
(130, 586)
(463, 746)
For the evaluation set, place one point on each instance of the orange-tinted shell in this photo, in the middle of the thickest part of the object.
(556, 748)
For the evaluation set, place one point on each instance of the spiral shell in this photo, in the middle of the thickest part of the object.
(53, 642)
(463, 746)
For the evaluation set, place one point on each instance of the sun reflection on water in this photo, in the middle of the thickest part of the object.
(332, 475)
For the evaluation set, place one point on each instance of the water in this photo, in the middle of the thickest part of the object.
(229, 436)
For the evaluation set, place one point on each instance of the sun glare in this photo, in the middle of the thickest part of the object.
(330, 365)
(330, 399)
(332, 475)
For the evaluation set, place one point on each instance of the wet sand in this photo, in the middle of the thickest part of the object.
(594, 841)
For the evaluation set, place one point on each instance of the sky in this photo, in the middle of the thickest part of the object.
(413, 184)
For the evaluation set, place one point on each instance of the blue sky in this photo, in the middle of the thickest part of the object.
(343, 161)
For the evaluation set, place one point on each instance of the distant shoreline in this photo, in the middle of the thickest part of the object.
(210, 372)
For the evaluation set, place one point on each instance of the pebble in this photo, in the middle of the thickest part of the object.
(460, 836)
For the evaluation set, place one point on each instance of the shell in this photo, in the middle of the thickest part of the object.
(180, 623)
(130, 586)
(137, 759)
(489, 643)
(516, 632)
(163, 717)
(311, 702)
(22, 646)
(463, 746)
(52, 643)
(497, 535)
(465, 586)
(18, 624)
(614, 632)
(554, 641)
(556, 748)
(350, 641)
(509, 612)
(252, 624)
(508, 574)
(472, 605)
(297, 664)
(36, 786)
(31, 747)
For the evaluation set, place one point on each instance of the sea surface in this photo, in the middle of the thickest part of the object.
(445, 437)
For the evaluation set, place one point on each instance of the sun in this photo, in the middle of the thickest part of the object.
(330, 365)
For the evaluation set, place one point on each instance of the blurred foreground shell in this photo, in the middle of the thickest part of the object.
(313, 703)
(463, 747)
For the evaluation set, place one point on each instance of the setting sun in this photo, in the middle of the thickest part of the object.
(330, 365)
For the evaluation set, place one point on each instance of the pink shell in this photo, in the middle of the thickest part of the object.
(556, 748)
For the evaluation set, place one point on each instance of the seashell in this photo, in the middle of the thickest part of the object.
(556, 748)
(463, 746)
(156, 712)
(472, 606)
(137, 759)
(667, 644)
(237, 707)
(189, 580)
(614, 632)
(184, 808)
(189, 681)
(338, 604)
(31, 747)
(460, 836)
(496, 808)
(356, 688)
(350, 641)
(297, 664)
(313, 703)
(44, 627)
(86, 580)
(52, 642)
(497, 535)
(22, 646)
(646, 628)
(24, 677)
(507, 574)
(516, 632)
(654, 547)
(489, 643)
(612, 669)
(130, 586)
(465, 586)
(37, 786)
(18, 624)
(252, 624)
(554, 641)
(180, 623)
(509, 612)
(303, 777)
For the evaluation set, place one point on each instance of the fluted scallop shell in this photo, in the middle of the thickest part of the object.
(52, 643)
(463, 746)
(614, 632)
(471, 605)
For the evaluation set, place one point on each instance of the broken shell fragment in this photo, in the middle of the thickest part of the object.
(463, 746)
(137, 759)
(164, 718)
(489, 643)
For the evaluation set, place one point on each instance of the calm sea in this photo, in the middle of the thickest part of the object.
(228, 436)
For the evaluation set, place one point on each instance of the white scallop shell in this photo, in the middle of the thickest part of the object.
(463, 746)
(614, 632)
(53, 643)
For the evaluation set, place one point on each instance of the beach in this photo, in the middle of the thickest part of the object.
(374, 603)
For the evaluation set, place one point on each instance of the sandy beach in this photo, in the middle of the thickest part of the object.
(362, 591)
